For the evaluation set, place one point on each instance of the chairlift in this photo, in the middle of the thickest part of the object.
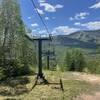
(39, 40)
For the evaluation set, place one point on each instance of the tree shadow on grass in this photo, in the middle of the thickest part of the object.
(11, 99)
(14, 86)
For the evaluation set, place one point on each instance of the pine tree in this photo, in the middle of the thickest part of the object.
(74, 60)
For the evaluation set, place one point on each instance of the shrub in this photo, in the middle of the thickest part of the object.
(16, 68)
(2, 75)
(93, 66)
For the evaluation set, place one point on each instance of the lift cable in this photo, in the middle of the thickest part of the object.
(40, 74)
(34, 5)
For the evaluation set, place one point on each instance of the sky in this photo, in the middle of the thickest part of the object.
(62, 17)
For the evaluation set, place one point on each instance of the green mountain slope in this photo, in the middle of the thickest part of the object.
(87, 36)
(82, 39)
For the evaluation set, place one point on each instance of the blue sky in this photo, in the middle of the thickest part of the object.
(61, 16)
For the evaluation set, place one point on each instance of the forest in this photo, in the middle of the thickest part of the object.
(16, 51)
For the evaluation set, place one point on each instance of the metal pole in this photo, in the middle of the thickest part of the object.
(40, 74)
(48, 67)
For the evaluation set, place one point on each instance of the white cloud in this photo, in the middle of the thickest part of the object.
(59, 6)
(71, 18)
(40, 11)
(47, 18)
(77, 23)
(64, 30)
(95, 6)
(41, 1)
(42, 31)
(92, 25)
(50, 8)
(34, 25)
(29, 17)
(34, 31)
(79, 16)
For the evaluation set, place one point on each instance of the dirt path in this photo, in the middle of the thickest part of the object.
(95, 96)
(93, 79)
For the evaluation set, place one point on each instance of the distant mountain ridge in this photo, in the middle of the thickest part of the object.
(84, 39)
(87, 36)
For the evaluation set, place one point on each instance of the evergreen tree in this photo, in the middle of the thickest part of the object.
(67, 61)
(15, 48)
(74, 60)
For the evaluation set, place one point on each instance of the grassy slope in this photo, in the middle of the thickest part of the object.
(18, 88)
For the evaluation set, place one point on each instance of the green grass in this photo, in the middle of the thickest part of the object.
(18, 88)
